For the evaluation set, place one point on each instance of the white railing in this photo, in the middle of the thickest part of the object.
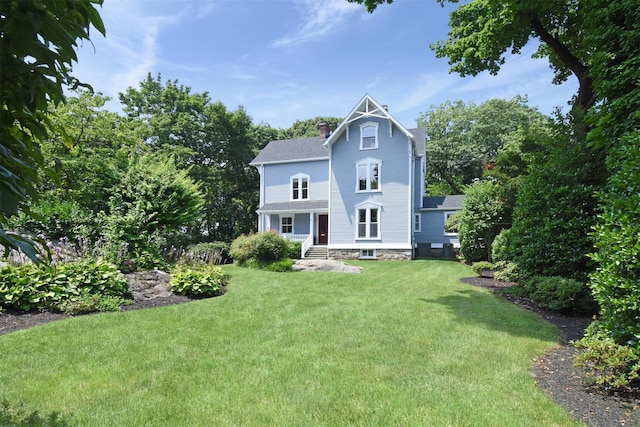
(296, 237)
(306, 244)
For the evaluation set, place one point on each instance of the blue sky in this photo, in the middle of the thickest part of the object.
(284, 60)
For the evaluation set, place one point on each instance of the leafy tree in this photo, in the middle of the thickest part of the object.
(464, 140)
(308, 127)
(482, 31)
(215, 143)
(616, 72)
(37, 49)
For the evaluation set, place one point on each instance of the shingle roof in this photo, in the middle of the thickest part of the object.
(442, 202)
(290, 150)
(301, 206)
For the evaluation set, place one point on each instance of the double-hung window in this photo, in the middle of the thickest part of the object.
(368, 222)
(369, 136)
(300, 187)
(368, 175)
(286, 225)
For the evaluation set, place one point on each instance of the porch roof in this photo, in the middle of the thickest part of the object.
(295, 206)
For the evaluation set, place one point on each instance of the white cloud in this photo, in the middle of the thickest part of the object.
(320, 17)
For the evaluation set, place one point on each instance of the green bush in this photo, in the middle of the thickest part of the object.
(294, 251)
(55, 218)
(267, 246)
(560, 294)
(507, 272)
(89, 303)
(481, 266)
(19, 417)
(29, 287)
(617, 240)
(606, 362)
(202, 282)
(500, 248)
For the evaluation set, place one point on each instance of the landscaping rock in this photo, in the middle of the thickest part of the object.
(150, 284)
(324, 265)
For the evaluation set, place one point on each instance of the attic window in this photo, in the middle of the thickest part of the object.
(369, 136)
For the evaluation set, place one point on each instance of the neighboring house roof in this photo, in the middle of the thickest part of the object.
(296, 206)
(292, 150)
(443, 202)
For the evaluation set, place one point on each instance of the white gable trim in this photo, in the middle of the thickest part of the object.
(367, 108)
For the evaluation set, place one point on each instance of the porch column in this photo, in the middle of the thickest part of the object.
(311, 229)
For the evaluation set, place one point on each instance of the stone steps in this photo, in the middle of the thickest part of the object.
(316, 252)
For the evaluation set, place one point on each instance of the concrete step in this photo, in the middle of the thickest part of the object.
(316, 252)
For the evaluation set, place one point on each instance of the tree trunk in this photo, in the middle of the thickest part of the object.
(586, 95)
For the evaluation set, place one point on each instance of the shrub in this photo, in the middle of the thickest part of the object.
(89, 303)
(201, 282)
(506, 271)
(485, 210)
(606, 362)
(294, 250)
(617, 240)
(560, 294)
(19, 417)
(267, 246)
(500, 248)
(30, 287)
(481, 266)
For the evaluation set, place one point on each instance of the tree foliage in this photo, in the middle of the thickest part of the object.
(465, 140)
(308, 127)
(486, 211)
(482, 32)
(215, 143)
(37, 49)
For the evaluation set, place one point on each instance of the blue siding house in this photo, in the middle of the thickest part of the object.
(355, 192)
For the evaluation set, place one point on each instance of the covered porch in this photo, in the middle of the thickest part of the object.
(300, 221)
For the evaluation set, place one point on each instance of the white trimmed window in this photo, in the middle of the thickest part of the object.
(300, 187)
(417, 222)
(368, 254)
(451, 223)
(286, 225)
(369, 136)
(368, 223)
(368, 175)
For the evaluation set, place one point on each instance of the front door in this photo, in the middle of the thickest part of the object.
(323, 229)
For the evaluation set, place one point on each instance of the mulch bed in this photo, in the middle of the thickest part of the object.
(554, 372)
(567, 385)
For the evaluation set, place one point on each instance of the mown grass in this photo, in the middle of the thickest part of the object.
(403, 343)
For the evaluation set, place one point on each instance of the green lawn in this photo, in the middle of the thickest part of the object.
(402, 344)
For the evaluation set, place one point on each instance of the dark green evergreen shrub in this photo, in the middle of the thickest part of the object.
(555, 209)
(616, 282)
(481, 267)
(199, 282)
(560, 294)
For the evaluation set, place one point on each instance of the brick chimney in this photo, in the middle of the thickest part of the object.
(324, 129)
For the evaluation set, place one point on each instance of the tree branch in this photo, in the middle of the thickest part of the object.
(586, 95)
